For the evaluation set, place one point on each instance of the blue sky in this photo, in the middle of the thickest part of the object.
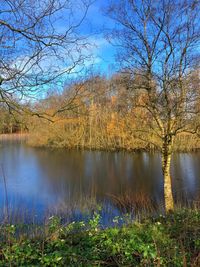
(94, 26)
(103, 52)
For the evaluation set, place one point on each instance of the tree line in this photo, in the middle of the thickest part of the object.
(102, 115)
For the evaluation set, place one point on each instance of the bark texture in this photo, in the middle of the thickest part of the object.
(166, 163)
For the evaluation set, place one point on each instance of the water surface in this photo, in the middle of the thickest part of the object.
(40, 182)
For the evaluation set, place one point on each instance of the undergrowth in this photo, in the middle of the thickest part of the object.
(170, 240)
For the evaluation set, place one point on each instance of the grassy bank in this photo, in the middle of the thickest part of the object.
(184, 143)
(171, 240)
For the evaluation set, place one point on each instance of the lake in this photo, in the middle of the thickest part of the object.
(40, 182)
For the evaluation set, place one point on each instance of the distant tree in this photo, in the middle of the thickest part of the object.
(159, 44)
(39, 45)
(11, 122)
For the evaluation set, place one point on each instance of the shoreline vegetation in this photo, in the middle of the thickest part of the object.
(165, 240)
(14, 136)
(184, 143)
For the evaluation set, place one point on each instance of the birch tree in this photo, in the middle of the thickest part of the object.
(159, 41)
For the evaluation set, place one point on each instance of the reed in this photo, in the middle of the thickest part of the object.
(138, 203)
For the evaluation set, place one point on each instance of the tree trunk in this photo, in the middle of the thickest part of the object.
(166, 162)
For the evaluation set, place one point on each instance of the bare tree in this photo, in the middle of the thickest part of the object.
(159, 42)
(39, 45)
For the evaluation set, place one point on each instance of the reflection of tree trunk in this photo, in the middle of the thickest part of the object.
(166, 162)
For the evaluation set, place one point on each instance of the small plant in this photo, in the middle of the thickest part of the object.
(170, 240)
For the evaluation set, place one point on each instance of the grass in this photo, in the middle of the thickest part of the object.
(170, 240)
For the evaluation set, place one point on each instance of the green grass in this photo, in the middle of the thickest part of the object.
(171, 240)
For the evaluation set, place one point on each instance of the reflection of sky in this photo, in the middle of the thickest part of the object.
(40, 179)
(187, 171)
(25, 188)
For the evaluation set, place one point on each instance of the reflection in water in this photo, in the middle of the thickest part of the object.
(186, 169)
(43, 180)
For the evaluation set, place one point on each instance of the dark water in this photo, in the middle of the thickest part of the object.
(42, 181)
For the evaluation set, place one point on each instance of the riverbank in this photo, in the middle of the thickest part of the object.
(171, 240)
(14, 136)
(184, 143)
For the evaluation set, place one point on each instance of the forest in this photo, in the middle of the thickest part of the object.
(98, 114)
